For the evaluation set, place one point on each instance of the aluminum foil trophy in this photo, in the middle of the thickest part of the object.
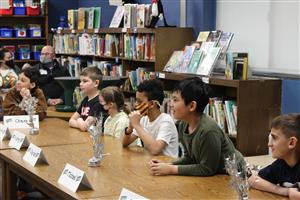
(95, 129)
(29, 104)
(238, 179)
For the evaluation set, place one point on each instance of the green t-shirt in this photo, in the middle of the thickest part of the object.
(205, 149)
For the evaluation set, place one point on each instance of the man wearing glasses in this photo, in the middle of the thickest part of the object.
(49, 69)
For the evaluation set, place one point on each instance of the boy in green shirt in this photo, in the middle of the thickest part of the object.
(205, 145)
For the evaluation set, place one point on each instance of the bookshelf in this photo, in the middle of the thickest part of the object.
(166, 41)
(258, 102)
(24, 20)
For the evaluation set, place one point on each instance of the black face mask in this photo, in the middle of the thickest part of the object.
(10, 64)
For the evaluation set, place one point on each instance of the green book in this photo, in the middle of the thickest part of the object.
(97, 17)
(195, 61)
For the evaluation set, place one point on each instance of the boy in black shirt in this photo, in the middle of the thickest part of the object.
(90, 79)
(283, 175)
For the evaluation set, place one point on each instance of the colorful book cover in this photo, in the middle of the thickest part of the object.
(195, 61)
(186, 58)
(224, 43)
(127, 15)
(214, 36)
(140, 16)
(202, 37)
(97, 17)
(90, 12)
(81, 18)
(209, 61)
(173, 62)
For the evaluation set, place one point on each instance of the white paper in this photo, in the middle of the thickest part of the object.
(20, 121)
(33, 154)
(18, 140)
(71, 177)
(115, 2)
(127, 195)
(4, 132)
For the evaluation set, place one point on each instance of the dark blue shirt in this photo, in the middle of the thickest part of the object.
(279, 172)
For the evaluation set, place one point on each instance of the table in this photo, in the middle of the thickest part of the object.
(51, 112)
(122, 168)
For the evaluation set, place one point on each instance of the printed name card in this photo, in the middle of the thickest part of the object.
(72, 177)
(126, 195)
(18, 140)
(4, 132)
(20, 121)
(34, 154)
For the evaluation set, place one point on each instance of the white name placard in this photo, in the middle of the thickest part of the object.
(126, 194)
(20, 121)
(72, 177)
(4, 132)
(34, 154)
(18, 140)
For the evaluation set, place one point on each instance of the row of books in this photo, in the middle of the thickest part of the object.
(84, 18)
(76, 64)
(133, 15)
(201, 56)
(224, 113)
(139, 46)
(135, 46)
(237, 66)
(136, 77)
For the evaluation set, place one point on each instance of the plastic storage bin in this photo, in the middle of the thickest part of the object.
(33, 11)
(20, 32)
(24, 55)
(19, 10)
(35, 32)
(6, 11)
(36, 55)
(6, 32)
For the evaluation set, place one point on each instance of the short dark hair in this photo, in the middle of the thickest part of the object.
(289, 124)
(153, 90)
(33, 74)
(113, 94)
(93, 73)
(193, 89)
(2, 52)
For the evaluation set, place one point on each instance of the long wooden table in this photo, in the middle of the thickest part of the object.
(123, 168)
(51, 112)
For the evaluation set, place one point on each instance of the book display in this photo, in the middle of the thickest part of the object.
(242, 108)
(25, 32)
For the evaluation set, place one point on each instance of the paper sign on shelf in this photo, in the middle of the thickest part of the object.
(126, 194)
(4, 132)
(205, 80)
(20, 121)
(71, 177)
(18, 140)
(34, 154)
(161, 75)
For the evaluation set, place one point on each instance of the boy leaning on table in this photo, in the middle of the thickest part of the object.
(205, 144)
(285, 171)
(90, 79)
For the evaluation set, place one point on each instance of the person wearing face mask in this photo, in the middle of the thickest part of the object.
(156, 130)
(50, 68)
(8, 69)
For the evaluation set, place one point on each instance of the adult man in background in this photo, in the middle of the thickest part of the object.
(50, 68)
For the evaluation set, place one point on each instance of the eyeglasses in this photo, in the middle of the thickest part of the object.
(46, 54)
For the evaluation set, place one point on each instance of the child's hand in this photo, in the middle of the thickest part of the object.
(134, 118)
(159, 168)
(25, 93)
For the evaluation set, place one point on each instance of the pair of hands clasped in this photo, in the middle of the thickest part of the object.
(160, 168)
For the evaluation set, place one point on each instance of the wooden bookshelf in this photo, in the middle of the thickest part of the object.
(258, 102)
(15, 20)
(167, 40)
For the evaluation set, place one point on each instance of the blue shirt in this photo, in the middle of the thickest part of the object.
(279, 172)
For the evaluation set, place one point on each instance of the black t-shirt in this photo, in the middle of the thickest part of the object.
(90, 108)
(279, 172)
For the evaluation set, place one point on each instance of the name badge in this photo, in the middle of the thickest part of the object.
(127, 194)
(4, 132)
(18, 140)
(20, 121)
(43, 72)
(34, 155)
(72, 177)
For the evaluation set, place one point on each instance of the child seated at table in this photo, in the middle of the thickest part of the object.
(283, 175)
(90, 79)
(205, 144)
(112, 100)
(26, 86)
